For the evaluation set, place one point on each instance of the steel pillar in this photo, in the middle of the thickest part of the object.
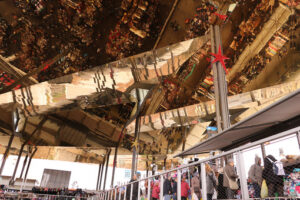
(12, 180)
(220, 84)
(107, 161)
(135, 150)
(203, 182)
(298, 138)
(149, 186)
(263, 150)
(114, 165)
(98, 177)
(100, 181)
(24, 164)
(242, 174)
(29, 162)
(27, 169)
(161, 196)
(178, 184)
(6, 153)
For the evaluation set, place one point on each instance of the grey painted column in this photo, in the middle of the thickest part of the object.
(27, 169)
(12, 179)
(242, 173)
(107, 161)
(161, 196)
(220, 84)
(139, 190)
(102, 169)
(298, 137)
(114, 165)
(215, 76)
(178, 185)
(131, 190)
(223, 91)
(135, 150)
(120, 193)
(125, 192)
(203, 182)
(24, 164)
(263, 150)
(5, 155)
(98, 177)
(149, 186)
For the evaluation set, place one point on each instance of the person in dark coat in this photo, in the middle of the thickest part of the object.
(167, 191)
(274, 182)
(134, 189)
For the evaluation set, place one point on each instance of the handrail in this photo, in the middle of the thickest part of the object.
(247, 146)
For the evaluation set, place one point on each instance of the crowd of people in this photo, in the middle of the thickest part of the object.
(221, 182)
(41, 30)
(59, 191)
(136, 23)
(204, 17)
(279, 44)
(3, 34)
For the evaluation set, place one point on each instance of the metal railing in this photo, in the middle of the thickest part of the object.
(119, 192)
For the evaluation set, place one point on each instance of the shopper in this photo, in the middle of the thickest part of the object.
(229, 173)
(274, 182)
(134, 189)
(196, 185)
(155, 190)
(255, 176)
(185, 189)
(167, 190)
(211, 182)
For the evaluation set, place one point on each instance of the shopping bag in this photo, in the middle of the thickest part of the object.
(194, 197)
(264, 190)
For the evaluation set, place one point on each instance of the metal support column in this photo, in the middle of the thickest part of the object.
(125, 192)
(139, 190)
(119, 194)
(135, 150)
(114, 165)
(98, 177)
(161, 196)
(203, 182)
(12, 180)
(24, 164)
(215, 79)
(178, 185)
(149, 187)
(131, 191)
(27, 169)
(263, 150)
(220, 84)
(6, 153)
(107, 161)
(101, 175)
(298, 137)
(242, 175)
